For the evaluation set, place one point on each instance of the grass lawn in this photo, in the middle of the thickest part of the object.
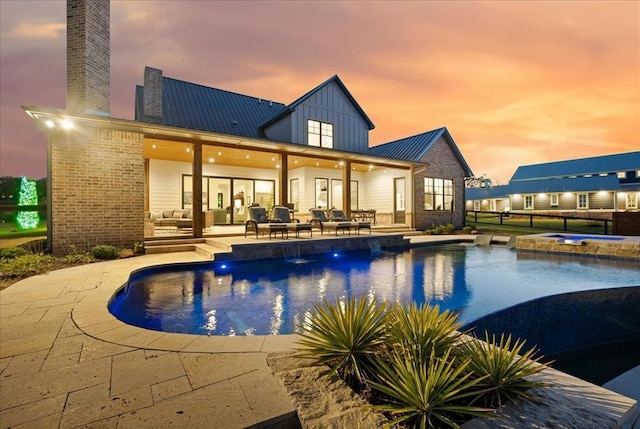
(515, 225)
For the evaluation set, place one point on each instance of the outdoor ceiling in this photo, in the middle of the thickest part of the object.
(180, 151)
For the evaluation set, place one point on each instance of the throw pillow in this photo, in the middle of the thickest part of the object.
(177, 214)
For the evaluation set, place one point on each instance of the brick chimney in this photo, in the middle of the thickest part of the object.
(88, 57)
(152, 97)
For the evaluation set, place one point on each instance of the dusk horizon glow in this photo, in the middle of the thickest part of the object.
(515, 83)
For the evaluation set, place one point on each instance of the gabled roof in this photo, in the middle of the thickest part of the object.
(291, 107)
(192, 106)
(593, 165)
(577, 184)
(491, 192)
(415, 148)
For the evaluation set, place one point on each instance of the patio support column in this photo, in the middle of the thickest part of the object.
(197, 190)
(283, 177)
(346, 188)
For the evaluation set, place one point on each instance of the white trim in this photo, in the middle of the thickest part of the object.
(632, 196)
(586, 206)
(554, 200)
(476, 205)
(529, 206)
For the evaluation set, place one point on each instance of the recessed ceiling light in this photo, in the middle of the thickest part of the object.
(49, 123)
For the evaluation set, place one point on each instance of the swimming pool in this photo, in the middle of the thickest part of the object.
(269, 297)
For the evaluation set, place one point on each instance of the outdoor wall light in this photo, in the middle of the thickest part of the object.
(188, 149)
(516, 196)
(49, 123)
(341, 163)
(66, 124)
(153, 146)
(211, 160)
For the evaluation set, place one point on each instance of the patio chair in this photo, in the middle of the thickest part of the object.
(319, 220)
(259, 223)
(280, 214)
(339, 216)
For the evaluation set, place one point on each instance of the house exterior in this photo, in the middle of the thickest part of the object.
(595, 185)
(212, 153)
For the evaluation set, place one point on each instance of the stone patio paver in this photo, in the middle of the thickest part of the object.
(65, 361)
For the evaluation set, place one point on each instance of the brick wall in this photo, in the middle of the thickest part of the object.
(88, 56)
(442, 163)
(97, 179)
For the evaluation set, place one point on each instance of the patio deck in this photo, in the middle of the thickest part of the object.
(65, 361)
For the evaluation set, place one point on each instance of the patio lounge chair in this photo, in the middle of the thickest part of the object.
(280, 214)
(339, 216)
(259, 223)
(319, 220)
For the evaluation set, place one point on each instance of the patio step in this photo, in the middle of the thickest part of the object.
(169, 248)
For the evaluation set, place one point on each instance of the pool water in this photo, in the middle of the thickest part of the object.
(270, 297)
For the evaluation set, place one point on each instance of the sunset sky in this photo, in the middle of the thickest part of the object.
(514, 82)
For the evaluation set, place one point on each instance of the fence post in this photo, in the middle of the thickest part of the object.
(530, 221)
(606, 227)
(565, 224)
(500, 218)
(475, 217)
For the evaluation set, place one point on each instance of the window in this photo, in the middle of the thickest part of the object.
(294, 193)
(476, 206)
(622, 174)
(322, 193)
(583, 201)
(320, 133)
(438, 194)
(554, 200)
(354, 195)
(528, 202)
(632, 200)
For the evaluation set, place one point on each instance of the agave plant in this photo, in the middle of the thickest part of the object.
(426, 394)
(422, 329)
(502, 368)
(345, 336)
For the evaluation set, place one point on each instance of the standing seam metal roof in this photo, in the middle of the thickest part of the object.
(193, 106)
(594, 165)
(415, 148)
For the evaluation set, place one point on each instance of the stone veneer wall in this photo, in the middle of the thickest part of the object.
(617, 249)
(441, 163)
(97, 195)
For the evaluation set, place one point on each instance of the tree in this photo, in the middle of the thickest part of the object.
(28, 196)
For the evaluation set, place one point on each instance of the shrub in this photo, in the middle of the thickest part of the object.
(12, 252)
(421, 330)
(441, 229)
(104, 251)
(345, 336)
(25, 265)
(502, 368)
(426, 394)
(467, 229)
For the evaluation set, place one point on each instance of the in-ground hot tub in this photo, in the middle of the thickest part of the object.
(616, 246)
